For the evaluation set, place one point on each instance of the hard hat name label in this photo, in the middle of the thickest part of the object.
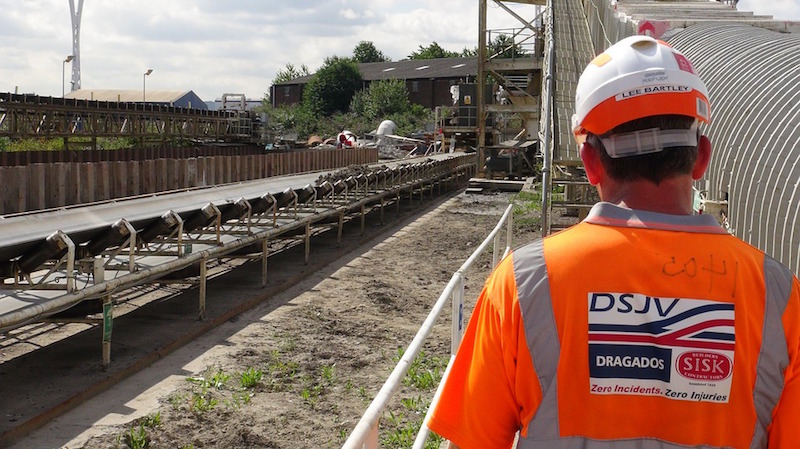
(663, 88)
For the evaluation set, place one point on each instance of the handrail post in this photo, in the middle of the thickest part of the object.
(510, 230)
(372, 441)
(457, 314)
(495, 250)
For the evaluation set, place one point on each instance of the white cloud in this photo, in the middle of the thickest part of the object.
(779, 9)
(215, 47)
(348, 13)
(209, 46)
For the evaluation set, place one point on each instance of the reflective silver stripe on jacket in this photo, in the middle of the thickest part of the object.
(774, 357)
(533, 290)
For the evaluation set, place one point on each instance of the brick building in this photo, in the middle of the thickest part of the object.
(428, 80)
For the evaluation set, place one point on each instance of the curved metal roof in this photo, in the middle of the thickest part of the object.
(753, 77)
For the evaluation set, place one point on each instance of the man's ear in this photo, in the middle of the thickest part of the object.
(590, 156)
(703, 158)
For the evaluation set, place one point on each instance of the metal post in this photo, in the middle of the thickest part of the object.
(548, 110)
(203, 277)
(372, 441)
(480, 85)
(63, 73)
(363, 218)
(264, 256)
(131, 245)
(108, 324)
(308, 240)
(510, 231)
(457, 314)
(341, 225)
(70, 260)
(144, 77)
(495, 250)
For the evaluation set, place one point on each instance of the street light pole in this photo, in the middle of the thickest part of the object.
(144, 77)
(63, 70)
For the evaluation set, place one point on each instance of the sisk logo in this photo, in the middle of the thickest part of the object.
(710, 366)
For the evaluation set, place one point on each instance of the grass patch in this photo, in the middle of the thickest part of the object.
(400, 426)
(527, 210)
(250, 378)
(137, 438)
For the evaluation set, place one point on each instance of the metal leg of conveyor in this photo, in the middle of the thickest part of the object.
(397, 202)
(308, 240)
(383, 201)
(363, 218)
(108, 324)
(341, 224)
(264, 256)
(203, 275)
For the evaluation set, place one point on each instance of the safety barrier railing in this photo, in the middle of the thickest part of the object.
(365, 434)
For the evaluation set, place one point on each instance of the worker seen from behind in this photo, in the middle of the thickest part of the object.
(644, 326)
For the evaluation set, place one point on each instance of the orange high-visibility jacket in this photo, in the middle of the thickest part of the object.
(630, 330)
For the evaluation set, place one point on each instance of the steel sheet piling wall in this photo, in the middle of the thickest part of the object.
(43, 186)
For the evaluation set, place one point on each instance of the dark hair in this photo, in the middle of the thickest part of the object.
(654, 167)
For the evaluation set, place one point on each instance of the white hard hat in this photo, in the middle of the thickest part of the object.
(637, 77)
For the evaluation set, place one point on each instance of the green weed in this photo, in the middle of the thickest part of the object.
(238, 399)
(212, 379)
(425, 371)
(250, 378)
(137, 438)
(416, 405)
(177, 399)
(151, 421)
(203, 402)
(328, 373)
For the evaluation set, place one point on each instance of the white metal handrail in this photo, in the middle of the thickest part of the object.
(365, 434)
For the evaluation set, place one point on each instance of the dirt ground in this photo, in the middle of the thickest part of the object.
(299, 369)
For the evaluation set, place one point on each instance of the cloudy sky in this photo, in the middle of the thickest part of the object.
(231, 46)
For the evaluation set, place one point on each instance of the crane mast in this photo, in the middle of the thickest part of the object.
(75, 15)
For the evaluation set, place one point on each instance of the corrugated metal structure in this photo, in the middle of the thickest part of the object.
(573, 50)
(753, 76)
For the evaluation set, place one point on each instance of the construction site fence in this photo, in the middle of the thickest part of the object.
(12, 158)
(52, 185)
(365, 435)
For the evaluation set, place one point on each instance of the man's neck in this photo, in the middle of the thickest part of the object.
(672, 196)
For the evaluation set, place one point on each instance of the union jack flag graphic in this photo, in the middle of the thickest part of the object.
(708, 326)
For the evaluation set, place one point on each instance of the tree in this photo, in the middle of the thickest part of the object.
(365, 51)
(503, 46)
(290, 73)
(332, 88)
(381, 99)
(469, 53)
(432, 51)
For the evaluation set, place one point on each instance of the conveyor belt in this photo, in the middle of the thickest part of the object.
(20, 234)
